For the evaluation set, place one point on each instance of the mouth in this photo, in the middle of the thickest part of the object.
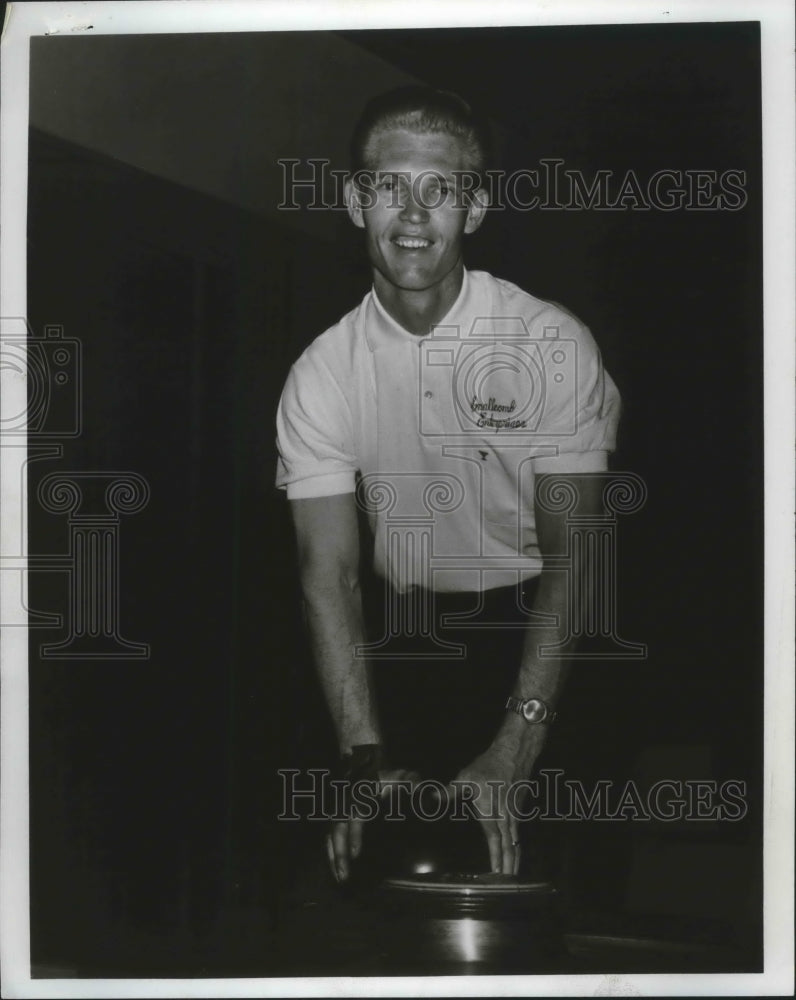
(411, 242)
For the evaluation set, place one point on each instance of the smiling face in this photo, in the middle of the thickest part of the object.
(413, 212)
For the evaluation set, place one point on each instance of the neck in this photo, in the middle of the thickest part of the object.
(419, 311)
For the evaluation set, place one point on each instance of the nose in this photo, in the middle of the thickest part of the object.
(413, 209)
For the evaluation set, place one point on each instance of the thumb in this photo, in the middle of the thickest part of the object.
(355, 837)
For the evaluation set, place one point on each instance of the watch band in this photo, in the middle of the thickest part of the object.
(533, 710)
(360, 764)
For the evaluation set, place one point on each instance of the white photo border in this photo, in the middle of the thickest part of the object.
(25, 20)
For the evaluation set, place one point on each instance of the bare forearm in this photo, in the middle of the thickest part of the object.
(333, 610)
(538, 677)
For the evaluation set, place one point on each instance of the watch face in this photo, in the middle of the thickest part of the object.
(534, 710)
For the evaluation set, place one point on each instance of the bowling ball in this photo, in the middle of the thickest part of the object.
(435, 903)
(491, 922)
(405, 845)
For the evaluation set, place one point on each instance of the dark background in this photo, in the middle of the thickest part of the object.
(154, 844)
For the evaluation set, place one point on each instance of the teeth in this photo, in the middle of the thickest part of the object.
(412, 243)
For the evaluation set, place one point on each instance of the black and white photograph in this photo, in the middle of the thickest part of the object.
(397, 583)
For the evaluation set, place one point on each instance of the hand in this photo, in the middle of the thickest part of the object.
(491, 775)
(344, 841)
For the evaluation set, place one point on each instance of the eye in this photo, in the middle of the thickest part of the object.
(389, 183)
(438, 189)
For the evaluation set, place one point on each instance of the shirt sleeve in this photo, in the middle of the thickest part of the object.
(314, 434)
(581, 406)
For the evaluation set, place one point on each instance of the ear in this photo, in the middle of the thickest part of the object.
(476, 210)
(353, 202)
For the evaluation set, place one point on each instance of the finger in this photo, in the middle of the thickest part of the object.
(508, 848)
(331, 857)
(515, 842)
(355, 837)
(494, 844)
(340, 848)
(514, 829)
(510, 844)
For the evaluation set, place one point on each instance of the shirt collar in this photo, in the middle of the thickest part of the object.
(381, 330)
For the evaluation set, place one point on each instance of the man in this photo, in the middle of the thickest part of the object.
(447, 380)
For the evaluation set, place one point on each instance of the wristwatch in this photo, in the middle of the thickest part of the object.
(533, 710)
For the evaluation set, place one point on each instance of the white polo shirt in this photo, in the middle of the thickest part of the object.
(441, 436)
